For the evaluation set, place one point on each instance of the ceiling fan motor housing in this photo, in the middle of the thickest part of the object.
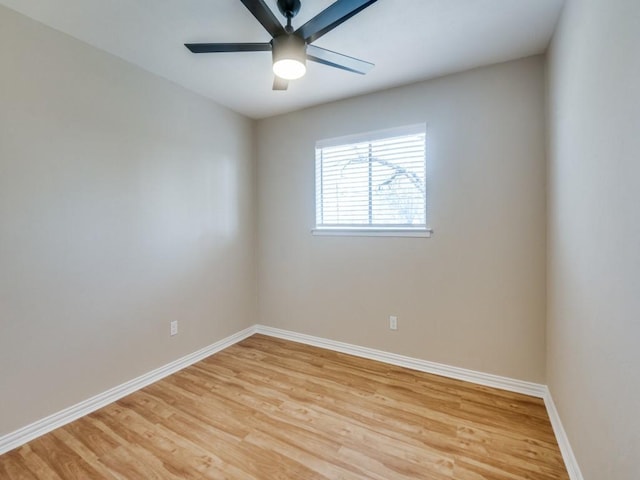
(289, 8)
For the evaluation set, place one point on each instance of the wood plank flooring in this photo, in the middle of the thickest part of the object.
(273, 409)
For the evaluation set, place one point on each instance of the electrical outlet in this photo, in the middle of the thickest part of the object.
(174, 327)
(393, 323)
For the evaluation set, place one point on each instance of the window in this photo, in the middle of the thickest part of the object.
(373, 183)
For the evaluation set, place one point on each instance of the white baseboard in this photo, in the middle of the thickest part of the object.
(23, 435)
(480, 378)
(561, 436)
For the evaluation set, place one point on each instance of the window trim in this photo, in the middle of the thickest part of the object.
(372, 232)
(364, 230)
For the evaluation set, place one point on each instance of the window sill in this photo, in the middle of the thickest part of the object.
(371, 232)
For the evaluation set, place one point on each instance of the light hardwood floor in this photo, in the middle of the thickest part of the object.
(273, 409)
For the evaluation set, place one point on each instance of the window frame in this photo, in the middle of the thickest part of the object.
(366, 229)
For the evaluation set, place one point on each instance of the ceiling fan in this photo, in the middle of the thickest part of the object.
(292, 48)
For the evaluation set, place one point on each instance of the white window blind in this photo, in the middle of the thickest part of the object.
(374, 181)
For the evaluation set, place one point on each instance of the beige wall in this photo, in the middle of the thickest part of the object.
(473, 295)
(125, 202)
(594, 234)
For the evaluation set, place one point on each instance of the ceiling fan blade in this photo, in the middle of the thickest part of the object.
(228, 47)
(331, 17)
(337, 60)
(265, 16)
(280, 83)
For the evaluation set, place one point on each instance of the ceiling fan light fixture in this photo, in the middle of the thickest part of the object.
(289, 57)
(289, 69)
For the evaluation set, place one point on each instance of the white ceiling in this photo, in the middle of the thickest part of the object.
(408, 40)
